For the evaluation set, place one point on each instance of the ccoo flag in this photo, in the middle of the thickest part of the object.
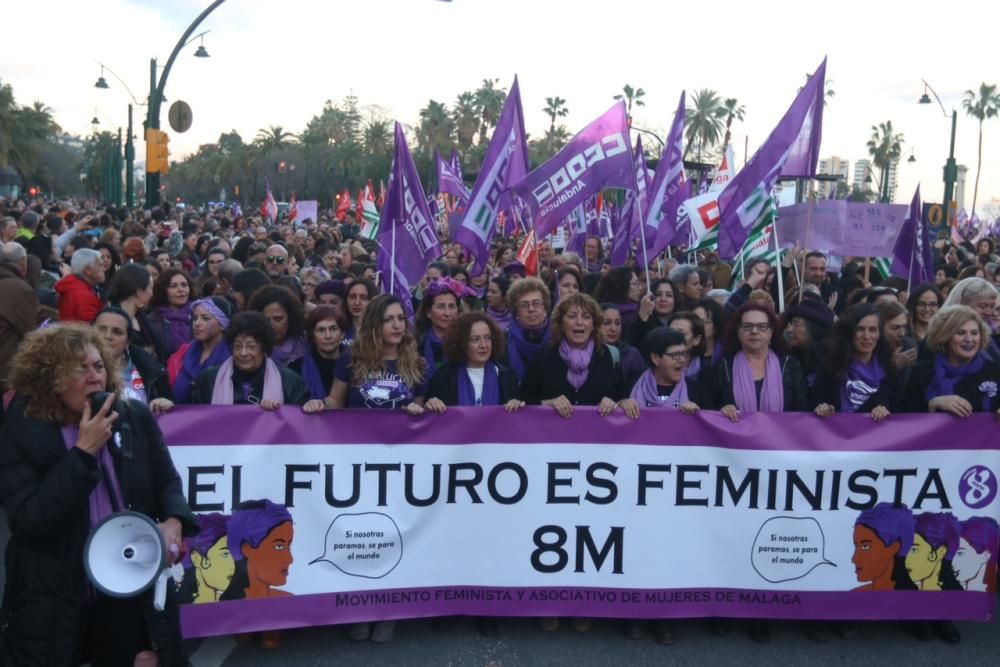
(406, 237)
(911, 256)
(505, 164)
(743, 200)
(449, 178)
(669, 189)
(600, 155)
(630, 222)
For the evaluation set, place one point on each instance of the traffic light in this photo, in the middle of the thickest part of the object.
(32, 191)
(157, 152)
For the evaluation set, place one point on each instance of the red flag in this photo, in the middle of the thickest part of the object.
(343, 205)
(381, 195)
(293, 211)
(359, 209)
(527, 254)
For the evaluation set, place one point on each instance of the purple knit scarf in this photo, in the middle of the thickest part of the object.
(491, 386)
(861, 381)
(291, 349)
(693, 368)
(176, 324)
(772, 395)
(577, 362)
(502, 318)
(522, 352)
(646, 394)
(432, 343)
(947, 376)
(101, 504)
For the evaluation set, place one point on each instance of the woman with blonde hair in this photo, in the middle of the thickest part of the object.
(960, 379)
(58, 480)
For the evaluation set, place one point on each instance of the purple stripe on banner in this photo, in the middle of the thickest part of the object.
(351, 607)
(225, 425)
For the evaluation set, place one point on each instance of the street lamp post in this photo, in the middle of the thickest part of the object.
(950, 167)
(129, 140)
(156, 97)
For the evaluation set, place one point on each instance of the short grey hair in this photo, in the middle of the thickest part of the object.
(12, 252)
(83, 258)
(679, 275)
(968, 290)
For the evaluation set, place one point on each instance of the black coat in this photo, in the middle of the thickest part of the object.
(968, 388)
(639, 329)
(46, 490)
(792, 379)
(444, 384)
(546, 379)
(293, 388)
(152, 372)
(826, 389)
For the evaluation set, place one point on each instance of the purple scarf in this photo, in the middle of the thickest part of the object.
(521, 352)
(502, 318)
(577, 362)
(191, 367)
(860, 383)
(646, 394)
(222, 391)
(772, 394)
(292, 349)
(628, 311)
(693, 368)
(310, 373)
(946, 376)
(491, 386)
(101, 504)
(176, 325)
(431, 343)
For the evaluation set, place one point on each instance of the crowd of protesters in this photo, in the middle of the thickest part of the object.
(200, 307)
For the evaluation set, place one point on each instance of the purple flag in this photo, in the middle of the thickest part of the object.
(599, 156)
(636, 204)
(746, 197)
(911, 256)
(505, 164)
(450, 179)
(803, 155)
(456, 164)
(406, 235)
(577, 225)
(669, 188)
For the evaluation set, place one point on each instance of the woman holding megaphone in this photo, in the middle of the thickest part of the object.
(64, 467)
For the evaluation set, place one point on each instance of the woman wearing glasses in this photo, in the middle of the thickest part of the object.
(249, 377)
(665, 383)
(756, 375)
(529, 333)
(923, 304)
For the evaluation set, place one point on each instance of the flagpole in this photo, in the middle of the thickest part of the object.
(642, 237)
(809, 214)
(392, 261)
(777, 263)
(909, 270)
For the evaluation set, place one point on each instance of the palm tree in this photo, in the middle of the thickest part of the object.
(272, 138)
(985, 105)
(490, 100)
(555, 107)
(885, 147)
(466, 115)
(704, 120)
(434, 131)
(734, 111)
(631, 96)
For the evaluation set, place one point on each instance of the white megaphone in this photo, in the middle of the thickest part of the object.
(125, 555)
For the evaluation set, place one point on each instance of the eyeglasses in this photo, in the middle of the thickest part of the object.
(252, 347)
(677, 356)
(531, 305)
(276, 259)
(762, 327)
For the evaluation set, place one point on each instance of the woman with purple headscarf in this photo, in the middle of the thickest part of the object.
(208, 564)
(259, 537)
(975, 562)
(883, 536)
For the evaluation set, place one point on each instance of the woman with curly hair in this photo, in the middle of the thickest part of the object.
(473, 375)
(621, 287)
(286, 316)
(529, 300)
(383, 369)
(58, 480)
(171, 309)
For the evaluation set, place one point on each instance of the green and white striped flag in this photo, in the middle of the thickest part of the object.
(760, 233)
(883, 266)
(369, 228)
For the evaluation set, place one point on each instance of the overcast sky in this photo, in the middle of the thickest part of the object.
(274, 63)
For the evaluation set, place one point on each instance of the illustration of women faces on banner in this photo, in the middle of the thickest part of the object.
(883, 536)
(935, 543)
(975, 562)
(260, 540)
(208, 565)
